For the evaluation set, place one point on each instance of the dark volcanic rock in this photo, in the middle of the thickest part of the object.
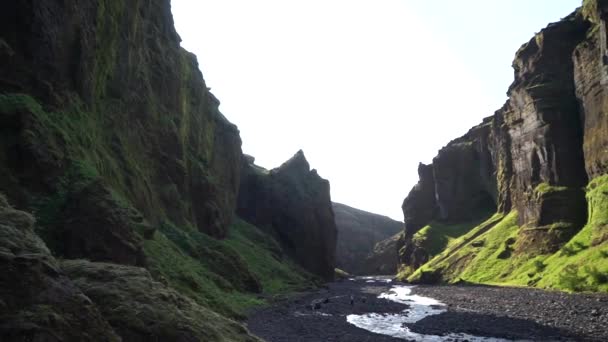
(420, 206)
(543, 124)
(111, 92)
(458, 186)
(98, 228)
(293, 203)
(590, 80)
(358, 233)
(384, 258)
(464, 176)
(531, 155)
(37, 301)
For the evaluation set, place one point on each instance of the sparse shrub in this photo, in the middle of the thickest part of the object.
(568, 251)
(570, 279)
(534, 281)
(580, 245)
(539, 265)
(505, 253)
(597, 277)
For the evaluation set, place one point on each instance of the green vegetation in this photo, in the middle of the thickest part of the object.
(436, 236)
(545, 188)
(222, 274)
(487, 254)
(340, 274)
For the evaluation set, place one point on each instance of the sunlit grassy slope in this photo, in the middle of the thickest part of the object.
(486, 253)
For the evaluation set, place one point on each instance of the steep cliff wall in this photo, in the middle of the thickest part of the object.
(102, 91)
(358, 233)
(533, 159)
(293, 202)
(111, 139)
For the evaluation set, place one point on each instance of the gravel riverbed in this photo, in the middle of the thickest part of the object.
(496, 312)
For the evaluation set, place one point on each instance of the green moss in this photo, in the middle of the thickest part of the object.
(436, 236)
(580, 265)
(211, 271)
(109, 14)
(545, 188)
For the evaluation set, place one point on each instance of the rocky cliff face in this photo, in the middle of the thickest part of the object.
(384, 257)
(293, 202)
(358, 233)
(111, 139)
(111, 96)
(537, 153)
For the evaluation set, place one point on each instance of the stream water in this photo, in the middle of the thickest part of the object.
(395, 325)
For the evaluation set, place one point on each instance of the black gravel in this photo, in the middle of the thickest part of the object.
(294, 321)
(517, 313)
(510, 313)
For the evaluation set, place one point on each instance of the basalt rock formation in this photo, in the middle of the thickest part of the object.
(112, 141)
(536, 154)
(104, 90)
(358, 233)
(293, 203)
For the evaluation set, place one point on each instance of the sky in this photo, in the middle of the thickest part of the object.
(366, 88)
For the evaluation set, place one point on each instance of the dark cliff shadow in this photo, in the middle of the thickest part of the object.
(488, 325)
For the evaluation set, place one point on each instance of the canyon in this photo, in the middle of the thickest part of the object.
(129, 212)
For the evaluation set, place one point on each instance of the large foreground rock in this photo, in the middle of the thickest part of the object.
(141, 309)
(38, 302)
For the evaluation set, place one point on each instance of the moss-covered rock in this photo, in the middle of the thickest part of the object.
(107, 85)
(141, 309)
(37, 301)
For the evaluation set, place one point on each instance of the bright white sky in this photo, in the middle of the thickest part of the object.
(367, 88)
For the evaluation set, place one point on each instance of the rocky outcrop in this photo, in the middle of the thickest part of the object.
(293, 203)
(358, 233)
(141, 309)
(536, 154)
(384, 258)
(110, 137)
(459, 185)
(111, 95)
(38, 302)
(543, 123)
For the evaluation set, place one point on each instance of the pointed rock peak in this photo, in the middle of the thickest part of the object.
(296, 164)
(249, 159)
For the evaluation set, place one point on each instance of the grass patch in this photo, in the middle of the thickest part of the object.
(545, 188)
(580, 265)
(436, 236)
(215, 272)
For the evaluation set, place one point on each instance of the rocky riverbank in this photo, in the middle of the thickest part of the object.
(482, 311)
(517, 313)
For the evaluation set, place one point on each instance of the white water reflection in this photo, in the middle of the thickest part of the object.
(419, 308)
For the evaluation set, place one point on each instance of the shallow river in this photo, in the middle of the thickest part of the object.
(395, 324)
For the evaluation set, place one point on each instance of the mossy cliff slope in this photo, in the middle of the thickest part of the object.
(103, 92)
(110, 138)
(292, 202)
(539, 161)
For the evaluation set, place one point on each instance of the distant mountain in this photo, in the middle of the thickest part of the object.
(358, 233)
